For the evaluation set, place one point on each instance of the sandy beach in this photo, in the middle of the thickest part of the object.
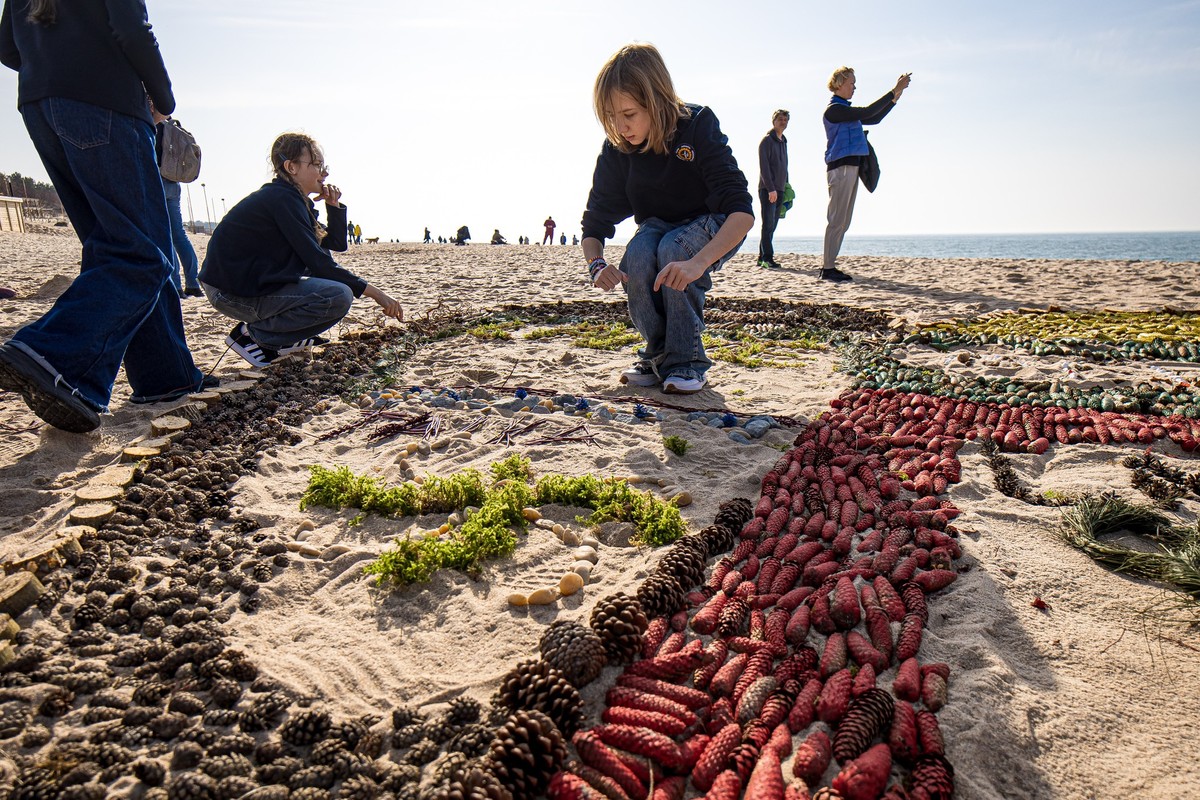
(1095, 694)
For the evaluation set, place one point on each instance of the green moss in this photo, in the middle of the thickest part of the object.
(494, 330)
(513, 468)
(593, 335)
(676, 444)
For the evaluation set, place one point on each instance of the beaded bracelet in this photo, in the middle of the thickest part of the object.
(596, 266)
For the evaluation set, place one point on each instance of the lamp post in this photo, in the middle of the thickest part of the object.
(207, 212)
(224, 209)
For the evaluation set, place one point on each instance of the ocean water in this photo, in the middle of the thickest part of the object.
(1161, 246)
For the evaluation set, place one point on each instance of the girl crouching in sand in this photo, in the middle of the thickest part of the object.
(666, 163)
(269, 266)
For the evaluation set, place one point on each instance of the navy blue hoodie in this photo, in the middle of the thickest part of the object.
(96, 52)
(697, 176)
(267, 241)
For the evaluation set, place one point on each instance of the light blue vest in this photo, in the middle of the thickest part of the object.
(844, 138)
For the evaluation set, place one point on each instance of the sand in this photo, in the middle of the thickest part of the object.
(1091, 698)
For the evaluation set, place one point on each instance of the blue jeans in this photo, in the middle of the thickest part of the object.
(122, 305)
(770, 220)
(295, 312)
(670, 320)
(184, 252)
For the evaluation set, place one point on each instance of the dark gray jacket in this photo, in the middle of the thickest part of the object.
(772, 163)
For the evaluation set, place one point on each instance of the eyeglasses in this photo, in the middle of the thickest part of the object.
(319, 166)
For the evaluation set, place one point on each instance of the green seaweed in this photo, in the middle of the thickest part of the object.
(676, 444)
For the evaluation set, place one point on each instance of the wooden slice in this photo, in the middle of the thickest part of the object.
(169, 424)
(18, 592)
(68, 542)
(93, 514)
(236, 386)
(208, 398)
(120, 475)
(8, 627)
(251, 375)
(98, 493)
(138, 452)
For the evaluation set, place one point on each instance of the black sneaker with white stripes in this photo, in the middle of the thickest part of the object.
(303, 344)
(256, 355)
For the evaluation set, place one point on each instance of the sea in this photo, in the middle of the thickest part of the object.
(1153, 246)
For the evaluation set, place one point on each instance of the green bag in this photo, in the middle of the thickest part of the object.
(789, 197)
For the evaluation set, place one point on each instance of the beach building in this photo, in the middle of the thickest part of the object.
(12, 214)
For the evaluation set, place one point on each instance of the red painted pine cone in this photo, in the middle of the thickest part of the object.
(702, 677)
(629, 697)
(670, 789)
(835, 697)
(867, 717)
(662, 723)
(804, 711)
(797, 790)
(599, 782)
(751, 703)
(569, 786)
(909, 640)
(930, 734)
(643, 742)
(902, 736)
(727, 786)
(766, 781)
(715, 757)
(705, 620)
(879, 628)
(692, 698)
(833, 657)
(864, 653)
(907, 683)
(933, 691)
(866, 777)
(812, 757)
(914, 601)
(672, 666)
(600, 757)
(932, 778)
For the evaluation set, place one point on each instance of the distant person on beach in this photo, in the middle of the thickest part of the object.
(184, 253)
(562, 239)
(845, 152)
(497, 238)
(772, 177)
(357, 234)
(666, 163)
(269, 263)
(574, 240)
(428, 238)
(463, 235)
(85, 70)
(349, 231)
(550, 226)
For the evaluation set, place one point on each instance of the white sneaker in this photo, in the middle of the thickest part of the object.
(678, 384)
(640, 374)
(303, 344)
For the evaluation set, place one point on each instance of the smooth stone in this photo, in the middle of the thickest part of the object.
(531, 514)
(402, 463)
(756, 428)
(569, 411)
(333, 551)
(546, 524)
(603, 414)
(739, 437)
(302, 536)
(543, 597)
(628, 419)
(682, 499)
(442, 402)
(571, 539)
(695, 415)
(716, 422)
(570, 583)
(559, 530)
(309, 551)
(585, 554)
(540, 410)
(411, 448)
(441, 444)
(479, 393)
(590, 541)
(476, 405)
(424, 448)
(583, 569)
(462, 435)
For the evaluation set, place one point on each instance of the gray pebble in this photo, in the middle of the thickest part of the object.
(738, 437)
(757, 428)
(476, 404)
(539, 410)
(604, 414)
(479, 393)
(442, 402)
(628, 419)
(716, 422)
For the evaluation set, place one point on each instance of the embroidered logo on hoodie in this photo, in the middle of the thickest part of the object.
(685, 152)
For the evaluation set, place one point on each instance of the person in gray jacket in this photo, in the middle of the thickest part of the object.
(772, 177)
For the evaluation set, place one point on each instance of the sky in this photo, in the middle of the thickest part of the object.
(1022, 117)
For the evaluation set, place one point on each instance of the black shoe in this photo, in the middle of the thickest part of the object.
(774, 264)
(835, 275)
(243, 344)
(303, 344)
(209, 382)
(195, 291)
(46, 394)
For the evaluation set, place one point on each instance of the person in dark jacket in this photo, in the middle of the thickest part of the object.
(84, 73)
(668, 165)
(772, 177)
(269, 266)
(846, 148)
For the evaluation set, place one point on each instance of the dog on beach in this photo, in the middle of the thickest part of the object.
(373, 240)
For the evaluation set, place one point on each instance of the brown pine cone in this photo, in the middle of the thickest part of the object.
(534, 685)
(868, 715)
(527, 751)
(661, 595)
(575, 651)
(619, 621)
(733, 514)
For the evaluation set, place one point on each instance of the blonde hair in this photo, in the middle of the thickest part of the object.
(639, 71)
(839, 77)
(293, 147)
(780, 112)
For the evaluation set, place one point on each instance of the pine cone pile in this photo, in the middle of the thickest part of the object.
(464, 710)
(718, 538)
(685, 562)
(932, 778)
(192, 786)
(472, 740)
(527, 751)
(472, 782)
(573, 650)
(619, 621)
(536, 686)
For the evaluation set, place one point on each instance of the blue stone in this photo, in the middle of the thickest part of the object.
(604, 414)
(716, 422)
(695, 415)
(738, 437)
(476, 404)
(757, 428)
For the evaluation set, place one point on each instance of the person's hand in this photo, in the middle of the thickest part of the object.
(772, 196)
(678, 274)
(330, 194)
(610, 277)
(391, 306)
(902, 84)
